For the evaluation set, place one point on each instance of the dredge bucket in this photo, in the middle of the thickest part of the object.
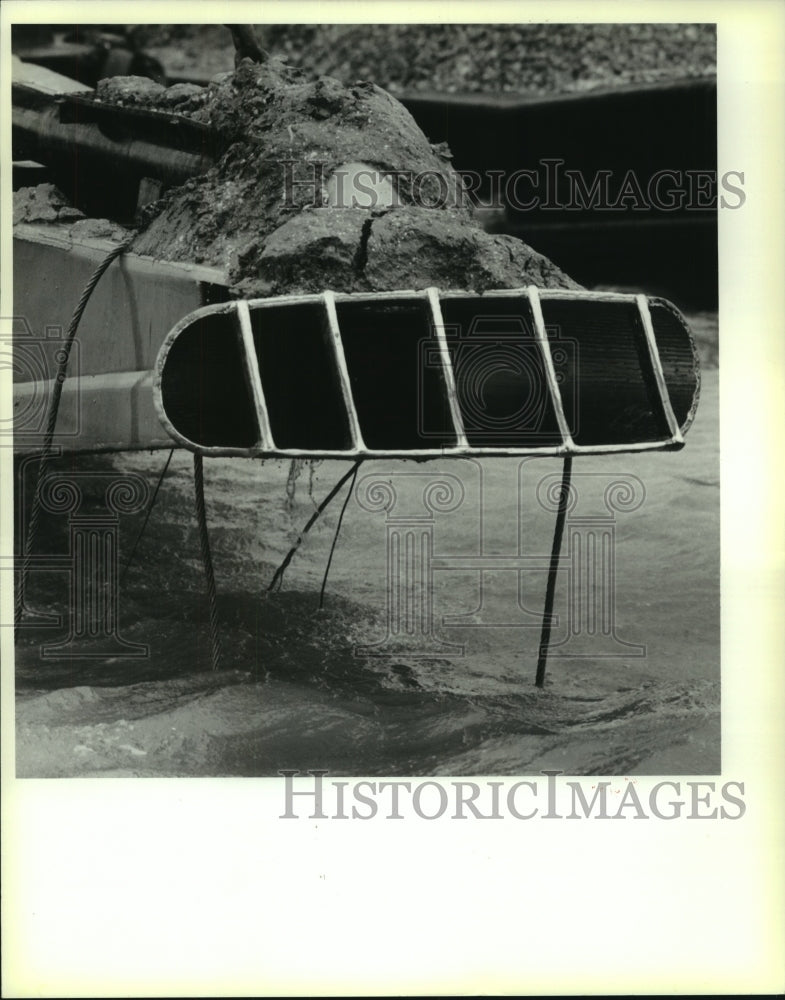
(429, 374)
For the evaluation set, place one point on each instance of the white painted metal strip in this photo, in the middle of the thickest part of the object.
(570, 294)
(229, 451)
(550, 372)
(447, 369)
(251, 366)
(659, 375)
(328, 298)
(612, 449)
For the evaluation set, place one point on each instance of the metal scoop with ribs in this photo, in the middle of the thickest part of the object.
(429, 374)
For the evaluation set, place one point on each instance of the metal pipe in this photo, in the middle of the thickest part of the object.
(53, 130)
(553, 569)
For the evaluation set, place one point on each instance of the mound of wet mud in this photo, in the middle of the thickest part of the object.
(263, 215)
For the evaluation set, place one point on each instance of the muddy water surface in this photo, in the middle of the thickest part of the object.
(304, 687)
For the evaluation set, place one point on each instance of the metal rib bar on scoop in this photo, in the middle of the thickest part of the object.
(447, 369)
(253, 378)
(656, 364)
(550, 372)
(328, 298)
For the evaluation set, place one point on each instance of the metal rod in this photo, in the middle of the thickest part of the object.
(328, 298)
(553, 569)
(278, 575)
(412, 294)
(547, 360)
(447, 369)
(275, 301)
(549, 451)
(656, 364)
(253, 377)
(207, 562)
(346, 500)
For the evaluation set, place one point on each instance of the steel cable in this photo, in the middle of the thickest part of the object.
(553, 569)
(51, 421)
(278, 575)
(207, 562)
(347, 498)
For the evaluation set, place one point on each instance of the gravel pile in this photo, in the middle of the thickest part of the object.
(526, 59)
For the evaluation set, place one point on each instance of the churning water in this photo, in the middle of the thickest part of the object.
(303, 687)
